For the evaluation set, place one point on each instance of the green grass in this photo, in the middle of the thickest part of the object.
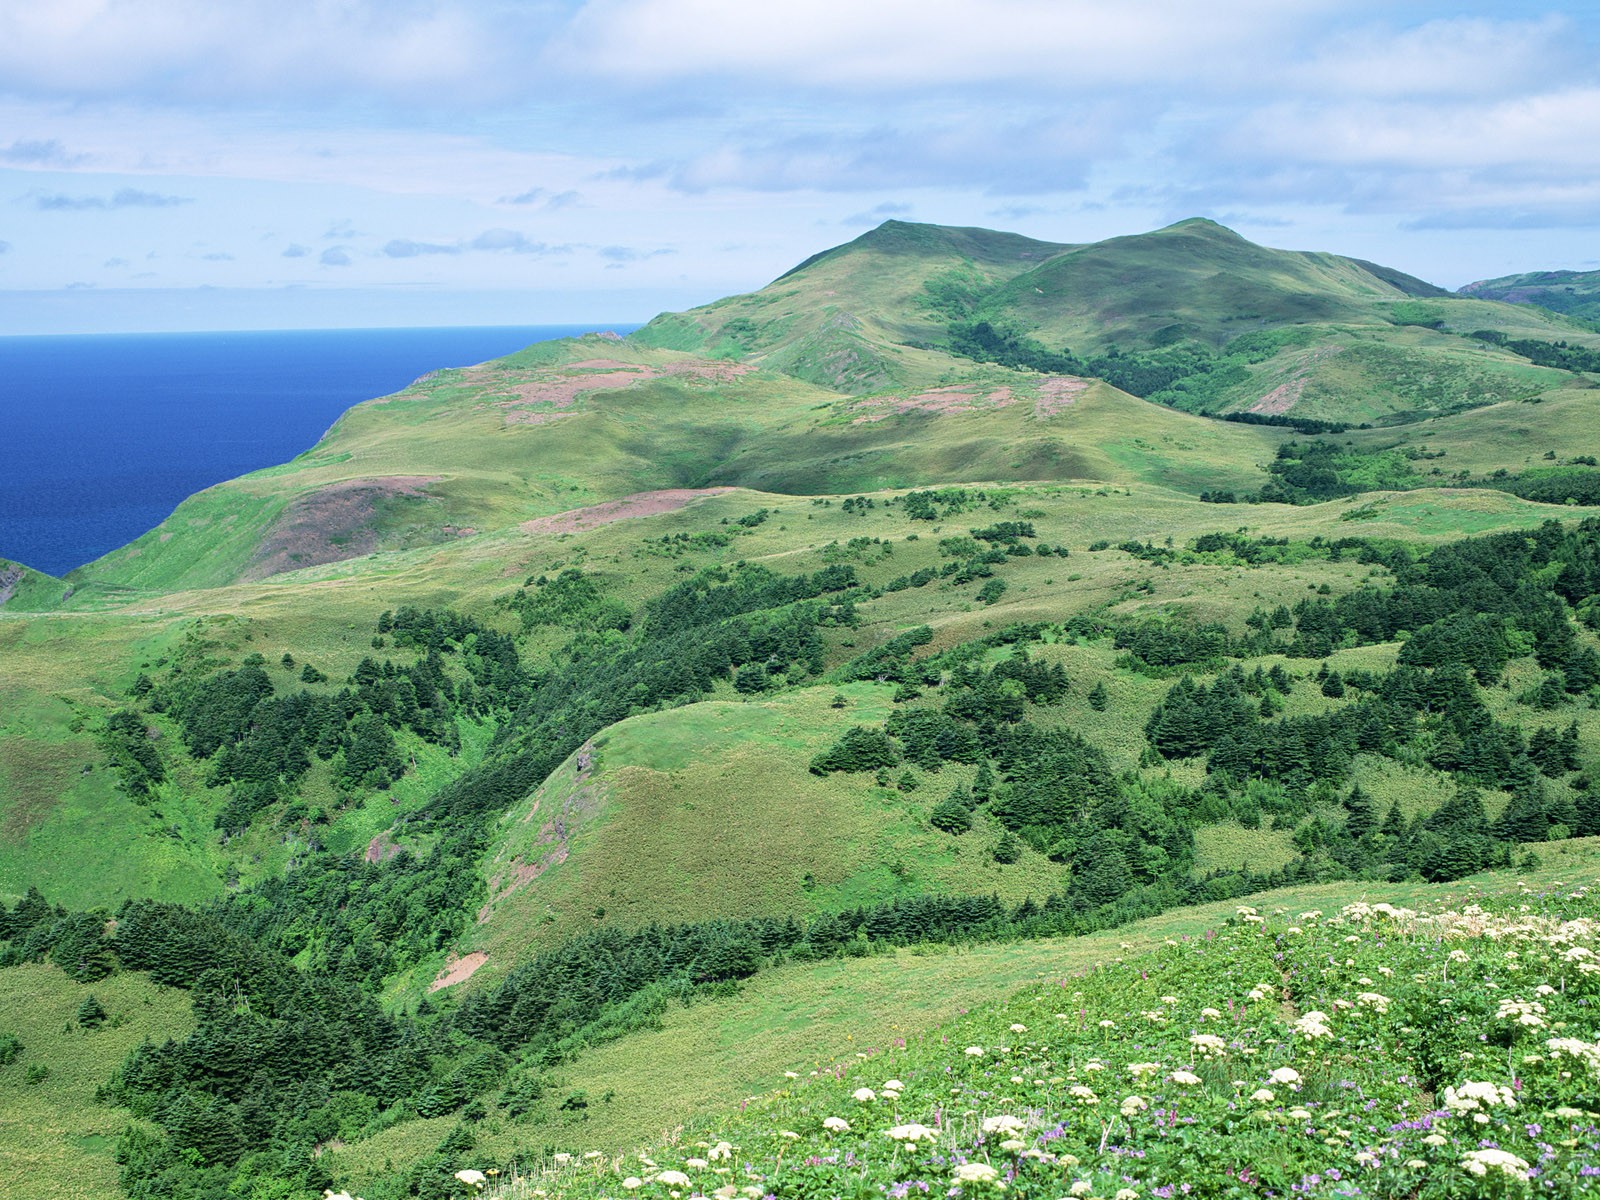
(72, 832)
(54, 1136)
(708, 1061)
(710, 811)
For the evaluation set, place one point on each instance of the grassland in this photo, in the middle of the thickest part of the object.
(664, 1089)
(735, 435)
(54, 1135)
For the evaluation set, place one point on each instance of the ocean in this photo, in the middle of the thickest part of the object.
(102, 436)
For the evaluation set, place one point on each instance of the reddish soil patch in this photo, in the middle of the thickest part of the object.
(640, 504)
(556, 392)
(1058, 393)
(957, 398)
(331, 524)
(382, 849)
(1281, 398)
(1287, 394)
(458, 970)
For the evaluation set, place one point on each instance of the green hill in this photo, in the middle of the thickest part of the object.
(1193, 281)
(851, 318)
(1571, 293)
(783, 680)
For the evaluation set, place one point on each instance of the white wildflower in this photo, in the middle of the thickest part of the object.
(1002, 1124)
(976, 1172)
(1481, 1162)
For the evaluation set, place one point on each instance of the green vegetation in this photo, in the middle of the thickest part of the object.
(1572, 293)
(1426, 1061)
(722, 686)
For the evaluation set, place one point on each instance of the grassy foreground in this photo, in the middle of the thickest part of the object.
(1317, 1044)
(804, 1037)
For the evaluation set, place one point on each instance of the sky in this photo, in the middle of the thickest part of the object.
(215, 164)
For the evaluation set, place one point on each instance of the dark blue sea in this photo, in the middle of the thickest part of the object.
(102, 436)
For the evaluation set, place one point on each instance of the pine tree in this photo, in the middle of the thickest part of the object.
(1361, 819)
(91, 1014)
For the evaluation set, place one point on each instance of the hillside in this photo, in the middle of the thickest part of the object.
(793, 675)
(1571, 293)
(851, 318)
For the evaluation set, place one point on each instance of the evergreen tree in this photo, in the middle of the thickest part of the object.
(91, 1014)
(1360, 818)
(953, 814)
(1008, 849)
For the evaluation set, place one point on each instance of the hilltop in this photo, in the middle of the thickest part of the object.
(953, 593)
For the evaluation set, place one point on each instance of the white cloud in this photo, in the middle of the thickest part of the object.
(1041, 45)
(1470, 57)
(1558, 129)
(121, 198)
(243, 49)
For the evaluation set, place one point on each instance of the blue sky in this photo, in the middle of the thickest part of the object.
(188, 164)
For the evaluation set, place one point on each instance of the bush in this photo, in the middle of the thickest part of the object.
(10, 1049)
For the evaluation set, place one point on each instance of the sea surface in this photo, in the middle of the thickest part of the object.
(101, 436)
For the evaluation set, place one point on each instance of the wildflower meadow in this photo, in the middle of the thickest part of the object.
(1371, 1051)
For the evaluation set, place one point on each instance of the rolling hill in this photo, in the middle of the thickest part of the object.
(1571, 293)
(804, 667)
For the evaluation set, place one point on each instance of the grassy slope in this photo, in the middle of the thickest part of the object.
(679, 815)
(708, 1060)
(846, 318)
(71, 831)
(1574, 293)
(53, 1135)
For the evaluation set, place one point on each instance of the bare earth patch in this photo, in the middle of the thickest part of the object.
(1056, 394)
(458, 970)
(640, 504)
(381, 849)
(10, 577)
(957, 398)
(1287, 394)
(331, 524)
(1281, 398)
(552, 394)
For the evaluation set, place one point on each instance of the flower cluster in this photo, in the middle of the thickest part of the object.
(1257, 1062)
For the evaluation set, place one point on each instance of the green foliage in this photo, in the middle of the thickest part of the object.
(10, 1049)
(953, 814)
(572, 599)
(91, 1013)
(860, 749)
